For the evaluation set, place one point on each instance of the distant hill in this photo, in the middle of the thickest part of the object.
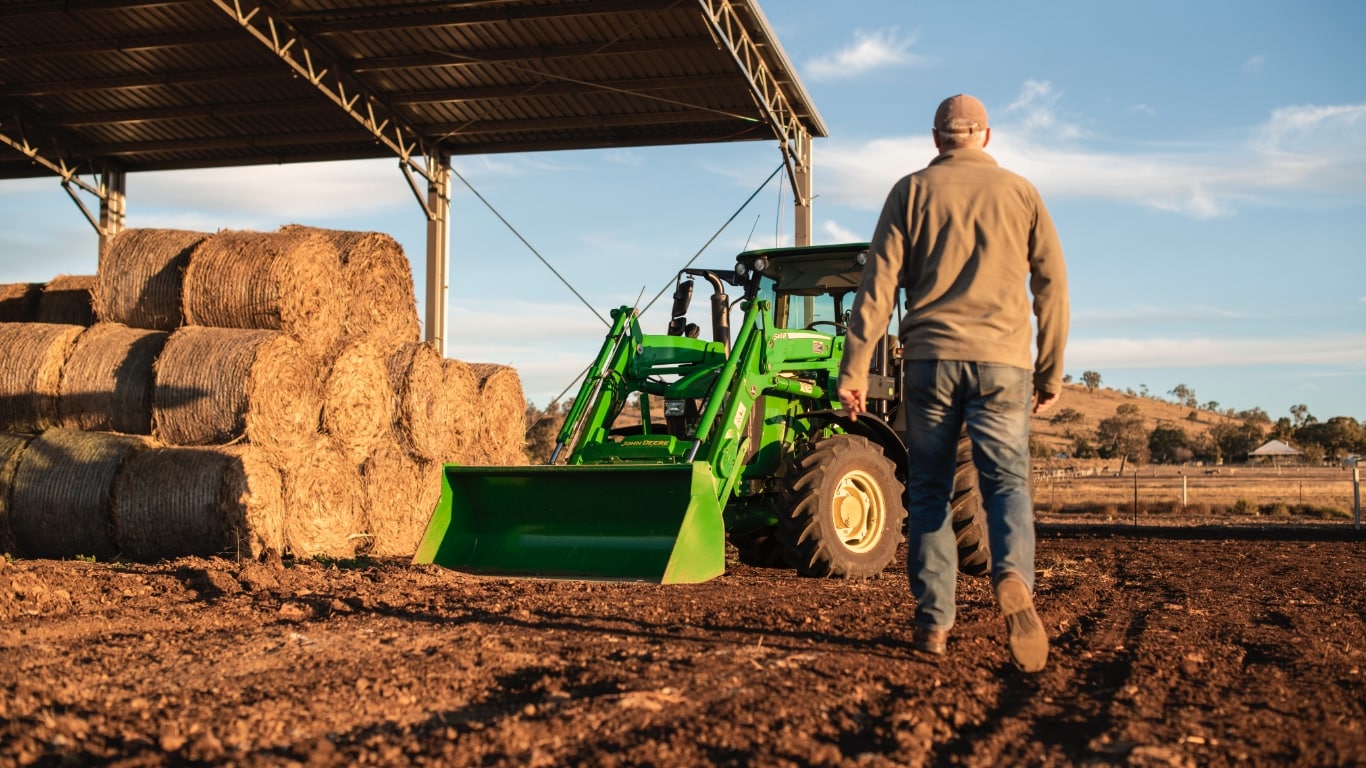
(1102, 404)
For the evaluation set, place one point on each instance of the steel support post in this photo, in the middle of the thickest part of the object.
(438, 249)
(113, 206)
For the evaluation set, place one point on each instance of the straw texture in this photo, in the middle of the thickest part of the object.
(175, 502)
(461, 388)
(68, 299)
(216, 385)
(106, 384)
(62, 501)
(358, 399)
(501, 426)
(140, 277)
(379, 279)
(11, 451)
(30, 378)
(422, 410)
(322, 503)
(19, 302)
(289, 281)
(399, 495)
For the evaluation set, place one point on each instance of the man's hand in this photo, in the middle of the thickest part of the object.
(1042, 400)
(853, 401)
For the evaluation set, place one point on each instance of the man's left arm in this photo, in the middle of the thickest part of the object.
(1048, 283)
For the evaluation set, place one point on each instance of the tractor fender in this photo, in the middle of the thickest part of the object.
(869, 426)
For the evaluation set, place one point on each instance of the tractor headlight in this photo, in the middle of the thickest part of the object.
(760, 264)
(674, 408)
(741, 270)
(861, 258)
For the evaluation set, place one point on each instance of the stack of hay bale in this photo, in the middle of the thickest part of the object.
(236, 393)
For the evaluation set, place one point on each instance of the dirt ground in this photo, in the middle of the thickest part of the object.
(1172, 647)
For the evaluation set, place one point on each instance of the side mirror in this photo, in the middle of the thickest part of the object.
(682, 299)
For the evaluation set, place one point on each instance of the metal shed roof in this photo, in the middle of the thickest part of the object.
(93, 86)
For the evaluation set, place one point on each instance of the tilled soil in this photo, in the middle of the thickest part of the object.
(1171, 647)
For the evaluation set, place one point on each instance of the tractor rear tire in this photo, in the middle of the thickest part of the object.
(969, 517)
(843, 515)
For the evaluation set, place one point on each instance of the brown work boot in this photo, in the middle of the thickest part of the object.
(934, 642)
(1024, 631)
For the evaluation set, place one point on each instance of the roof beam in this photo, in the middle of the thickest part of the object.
(108, 45)
(768, 92)
(537, 54)
(384, 18)
(319, 67)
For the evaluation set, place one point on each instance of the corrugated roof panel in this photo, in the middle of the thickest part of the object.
(151, 85)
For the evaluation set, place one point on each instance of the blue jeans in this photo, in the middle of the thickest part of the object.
(994, 401)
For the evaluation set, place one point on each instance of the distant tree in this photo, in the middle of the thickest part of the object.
(1091, 379)
(1169, 444)
(1282, 429)
(1193, 416)
(1067, 379)
(1339, 436)
(1184, 395)
(1143, 390)
(543, 429)
(1212, 405)
(1122, 436)
(1300, 413)
(1083, 449)
(1236, 441)
(1255, 415)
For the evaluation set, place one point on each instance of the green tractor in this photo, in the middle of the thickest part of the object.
(752, 447)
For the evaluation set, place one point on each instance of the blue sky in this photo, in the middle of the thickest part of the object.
(1205, 163)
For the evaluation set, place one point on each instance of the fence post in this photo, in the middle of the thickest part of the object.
(1356, 497)
(1135, 494)
(1183, 491)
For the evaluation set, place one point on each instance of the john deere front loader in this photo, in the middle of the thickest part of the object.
(751, 447)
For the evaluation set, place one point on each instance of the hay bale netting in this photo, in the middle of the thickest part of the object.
(461, 386)
(176, 502)
(30, 378)
(68, 299)
(501, 428)
(216, 385)
(398, 496)
(380, 282)
(107, 380)
(358, 399)
(11, 450)
(422, 409)
(322, 493)
(140, 277)
(62, 501)
(19, 302)
(288, 281)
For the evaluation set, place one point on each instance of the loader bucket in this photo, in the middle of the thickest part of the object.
(658, 523)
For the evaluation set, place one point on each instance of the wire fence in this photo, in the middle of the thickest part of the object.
(1281, 493)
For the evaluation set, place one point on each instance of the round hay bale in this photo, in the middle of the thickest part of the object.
(379, 280)
(140, 277)
(68, 299)
(398, 496)
(62, 501)
(501, 431)
(288, 281)
(358, 399)
(19, 302)
(178, 502)
(106, 384)
(461, 386)
(322, 503)
(423, 411)
(217, 385)
(11, 450)
(30, 379)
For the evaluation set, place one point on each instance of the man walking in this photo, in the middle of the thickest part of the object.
(964, 237)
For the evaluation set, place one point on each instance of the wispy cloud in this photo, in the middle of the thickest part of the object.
(1319, 150)
(868, 51)
(836, 233)
(1253, 65)
(1205, 352)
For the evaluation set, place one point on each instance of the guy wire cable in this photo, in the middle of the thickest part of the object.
(712, 239)
(529, 246)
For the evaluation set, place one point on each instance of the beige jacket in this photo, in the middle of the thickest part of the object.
(964, 237)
